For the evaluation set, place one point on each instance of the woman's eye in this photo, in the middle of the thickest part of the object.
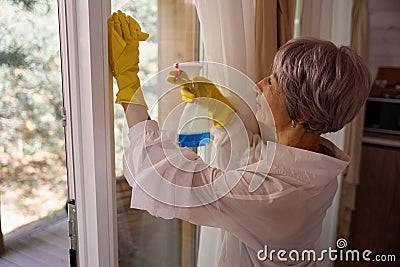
(269, 81)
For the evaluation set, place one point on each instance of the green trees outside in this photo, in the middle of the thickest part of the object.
(32, 149)
(32, 154)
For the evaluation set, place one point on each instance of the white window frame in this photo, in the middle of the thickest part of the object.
(89, 129)
(88, 101)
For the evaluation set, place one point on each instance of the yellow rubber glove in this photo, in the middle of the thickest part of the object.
(124, 34)
(219, 108)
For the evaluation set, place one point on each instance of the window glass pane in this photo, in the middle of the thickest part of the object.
(145, 12)
(32, 154)
(143, 240)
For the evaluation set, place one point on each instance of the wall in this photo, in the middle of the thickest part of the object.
(385, 34)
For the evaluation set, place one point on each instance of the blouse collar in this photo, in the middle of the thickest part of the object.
(311, 167)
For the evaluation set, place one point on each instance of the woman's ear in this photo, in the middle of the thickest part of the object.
(304, 117)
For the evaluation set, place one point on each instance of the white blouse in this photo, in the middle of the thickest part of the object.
(276, 200)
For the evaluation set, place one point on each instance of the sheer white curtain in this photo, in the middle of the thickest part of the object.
(329, 20)
(228, 33)
(227, 28)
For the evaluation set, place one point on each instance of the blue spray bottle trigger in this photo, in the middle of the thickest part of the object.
(194, 128)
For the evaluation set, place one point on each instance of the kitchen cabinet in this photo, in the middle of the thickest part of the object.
(375, 221)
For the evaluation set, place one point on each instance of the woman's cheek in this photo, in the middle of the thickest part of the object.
(263, 112)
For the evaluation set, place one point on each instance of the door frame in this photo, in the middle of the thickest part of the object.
(89, 131)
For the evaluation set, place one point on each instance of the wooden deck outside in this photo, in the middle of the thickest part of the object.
(44, 244)
(143, 240)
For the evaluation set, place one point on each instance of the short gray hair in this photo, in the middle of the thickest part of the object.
(322, 84)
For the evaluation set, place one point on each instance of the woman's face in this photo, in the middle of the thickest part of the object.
(270, 107)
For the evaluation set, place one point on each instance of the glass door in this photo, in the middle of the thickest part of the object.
(32, 161)
(101, 195)
(144, 240)
(32, 153)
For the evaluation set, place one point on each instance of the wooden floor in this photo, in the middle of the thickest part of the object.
(44, 244)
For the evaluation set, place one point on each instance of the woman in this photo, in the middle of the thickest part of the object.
(315, 88)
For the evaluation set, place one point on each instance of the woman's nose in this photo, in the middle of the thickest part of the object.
(260, 85)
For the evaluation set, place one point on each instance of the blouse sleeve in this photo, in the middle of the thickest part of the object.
(235, 146)
(172, 182)
(164, 177)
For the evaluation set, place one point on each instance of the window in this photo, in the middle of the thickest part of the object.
(144, 240)
(145, 11)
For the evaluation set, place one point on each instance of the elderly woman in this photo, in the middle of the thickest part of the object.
(314, 88)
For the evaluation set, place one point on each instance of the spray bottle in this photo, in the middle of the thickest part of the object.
(194, 125)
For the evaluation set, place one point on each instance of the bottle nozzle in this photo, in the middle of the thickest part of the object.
(190, 68)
